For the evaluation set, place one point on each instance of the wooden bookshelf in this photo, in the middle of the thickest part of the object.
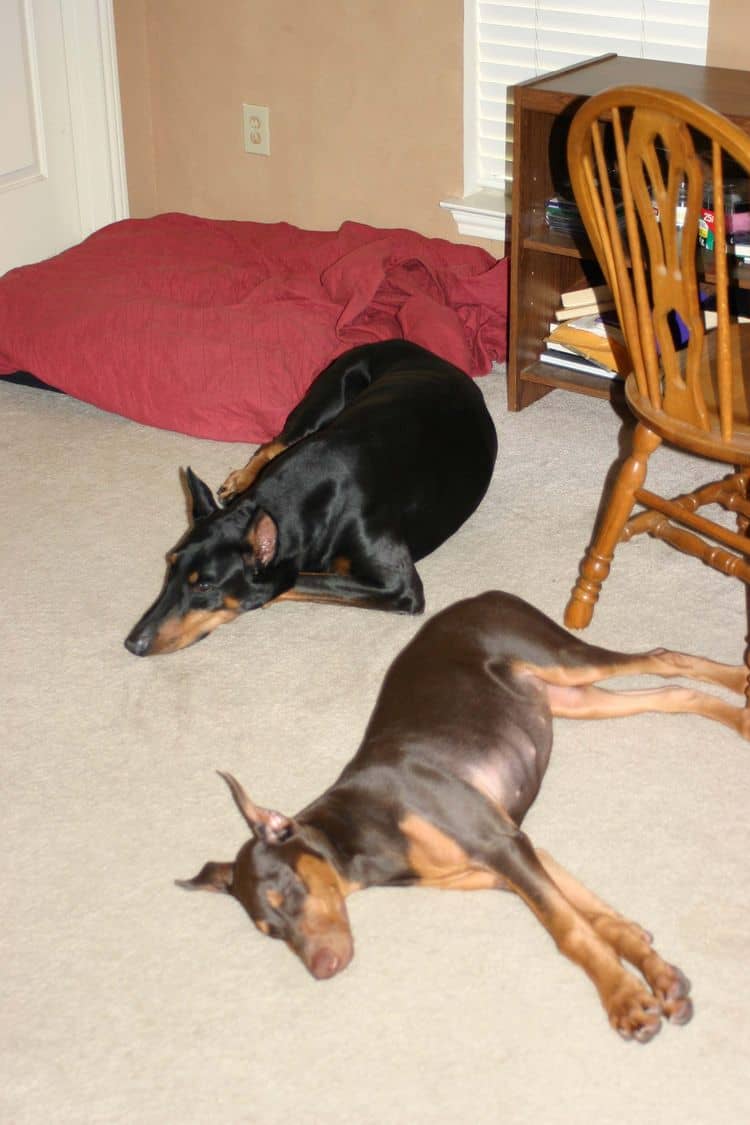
(544, 264)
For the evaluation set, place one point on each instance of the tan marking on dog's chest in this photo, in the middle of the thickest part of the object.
(439, 861)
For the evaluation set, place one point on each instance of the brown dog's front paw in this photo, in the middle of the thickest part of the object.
(635, 1013)
(672, 989)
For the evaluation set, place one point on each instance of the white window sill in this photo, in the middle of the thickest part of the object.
(482, 214)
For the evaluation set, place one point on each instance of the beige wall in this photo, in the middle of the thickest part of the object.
(365, 112)
(365, 100)
(728, 41)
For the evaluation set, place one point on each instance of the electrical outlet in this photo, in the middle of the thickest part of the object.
(256, 129)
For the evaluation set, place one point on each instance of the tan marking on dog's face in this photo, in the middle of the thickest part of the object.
(193, 577)
(275, 899)
(320, 878)
(230, 602)
(324, 925)
(179, 632)
(324, 907)
(264, 927)
(439, 861)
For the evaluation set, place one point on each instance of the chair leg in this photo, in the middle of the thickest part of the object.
(747, 645)
(743, 528)
(596, 562)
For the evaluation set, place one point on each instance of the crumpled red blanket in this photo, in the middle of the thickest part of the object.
(217, 328)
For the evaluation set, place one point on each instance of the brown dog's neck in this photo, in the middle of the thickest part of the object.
(359, 840)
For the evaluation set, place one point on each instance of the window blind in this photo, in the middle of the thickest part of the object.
(510, 42)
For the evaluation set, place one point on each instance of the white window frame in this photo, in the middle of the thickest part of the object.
(483, 209)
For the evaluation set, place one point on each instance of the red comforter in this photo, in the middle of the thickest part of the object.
(217, 328)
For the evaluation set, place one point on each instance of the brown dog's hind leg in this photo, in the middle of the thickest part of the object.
(590, 702)
(664, 662)
(595, 664)
(629, 941)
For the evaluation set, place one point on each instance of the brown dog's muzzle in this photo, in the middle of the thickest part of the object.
(324, 938)
(330, 957)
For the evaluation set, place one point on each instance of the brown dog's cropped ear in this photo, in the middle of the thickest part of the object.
(269, 826)
(262, 537)
(201, 498)
(211, 877)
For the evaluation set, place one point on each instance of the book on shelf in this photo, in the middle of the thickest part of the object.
(595, 336)
(711, 319)
(588, 295)
(562, 216)
(593, 307)
(573, 362)
(739, 306)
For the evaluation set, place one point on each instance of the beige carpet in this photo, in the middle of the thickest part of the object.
(128, 1000)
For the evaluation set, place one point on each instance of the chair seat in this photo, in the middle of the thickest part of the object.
(685, 433)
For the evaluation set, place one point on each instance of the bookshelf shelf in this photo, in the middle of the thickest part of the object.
(550, 377)
(545, 264)
(547, 242)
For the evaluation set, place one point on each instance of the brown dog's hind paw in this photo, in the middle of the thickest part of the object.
(743, 723)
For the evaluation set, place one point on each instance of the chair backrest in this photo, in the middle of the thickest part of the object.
(643, 163)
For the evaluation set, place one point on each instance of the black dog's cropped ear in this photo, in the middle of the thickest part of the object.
(263, 537)
(201, 497)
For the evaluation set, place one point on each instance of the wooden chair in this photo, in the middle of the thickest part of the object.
(653, 151)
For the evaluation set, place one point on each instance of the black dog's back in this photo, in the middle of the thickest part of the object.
(413, 432)
(346, 377)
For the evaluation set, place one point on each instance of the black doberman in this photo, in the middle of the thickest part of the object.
(452, 759)
(388, 453)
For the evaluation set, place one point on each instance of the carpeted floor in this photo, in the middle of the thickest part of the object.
(128, 1000)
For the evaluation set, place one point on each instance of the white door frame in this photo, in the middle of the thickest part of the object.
(94, 93)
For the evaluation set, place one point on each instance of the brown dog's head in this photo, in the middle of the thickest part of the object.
(288, 886)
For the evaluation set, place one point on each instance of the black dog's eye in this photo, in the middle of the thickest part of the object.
(203, 587)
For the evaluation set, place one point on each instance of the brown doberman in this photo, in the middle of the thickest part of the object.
(452, 759)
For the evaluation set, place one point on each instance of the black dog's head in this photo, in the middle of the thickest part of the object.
(288, 885)
(226, 564)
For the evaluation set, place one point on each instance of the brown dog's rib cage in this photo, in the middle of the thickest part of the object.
(660, 148)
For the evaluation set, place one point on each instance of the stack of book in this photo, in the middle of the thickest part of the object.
(563, 217)
(581, 302)
(585, 335)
